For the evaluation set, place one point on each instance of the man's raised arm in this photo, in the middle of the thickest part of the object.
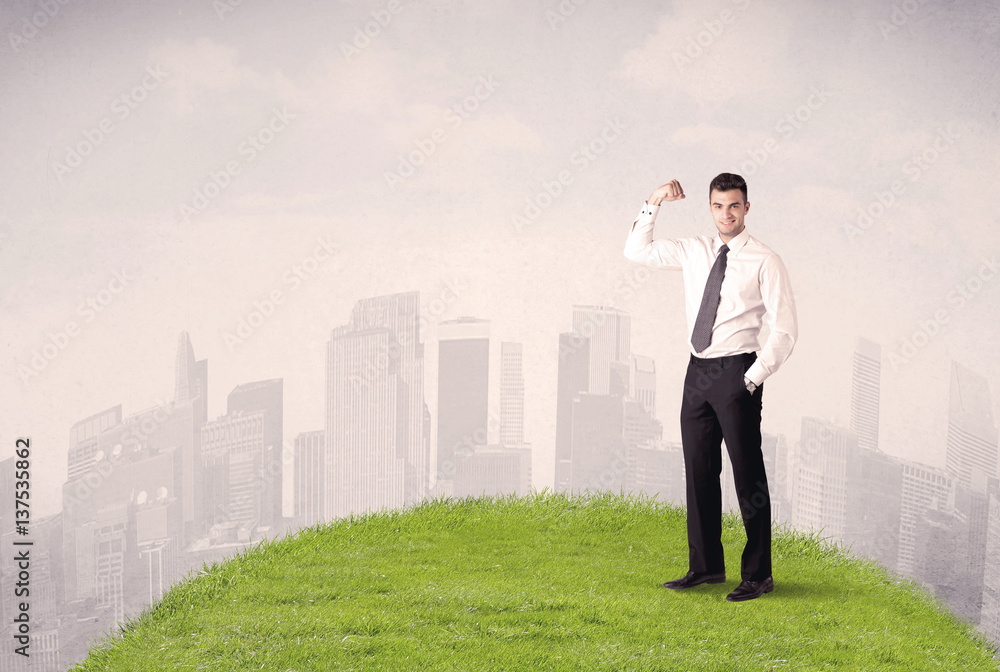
(640, 246)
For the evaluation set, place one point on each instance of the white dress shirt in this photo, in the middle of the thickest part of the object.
(755, 288)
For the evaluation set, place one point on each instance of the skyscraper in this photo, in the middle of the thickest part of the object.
(573, 379)
(600, 459)
(923, 488)
(376, 445)
(191, 379)
(874, 495)
(266, 396)
(463, 390)
(865, 385)
(989, 622)
(83, 439)
(310, 472)
(972, 433)
(511, 394)
(609, 331)
(492, 470)
(235, 456)
(819, 496)
(643, 378)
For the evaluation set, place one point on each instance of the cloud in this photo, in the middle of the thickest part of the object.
(203, 67)
(715, 52)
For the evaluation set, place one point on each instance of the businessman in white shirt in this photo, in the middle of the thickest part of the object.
(733, 284)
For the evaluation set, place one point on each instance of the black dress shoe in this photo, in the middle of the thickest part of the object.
(692, 579)
(748, 590)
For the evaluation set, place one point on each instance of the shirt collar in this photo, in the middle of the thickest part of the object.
(734, 245)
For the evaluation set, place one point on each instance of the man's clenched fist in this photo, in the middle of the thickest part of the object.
(671, 191)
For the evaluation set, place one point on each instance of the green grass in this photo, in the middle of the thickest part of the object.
(545, 582)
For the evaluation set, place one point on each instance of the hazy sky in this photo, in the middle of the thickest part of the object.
(410, 150)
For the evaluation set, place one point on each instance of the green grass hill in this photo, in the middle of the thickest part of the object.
(543, 582)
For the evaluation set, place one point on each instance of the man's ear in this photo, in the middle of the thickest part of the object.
(746, 207)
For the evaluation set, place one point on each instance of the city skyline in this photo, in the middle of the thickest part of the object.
(519, 211)
(153, 493)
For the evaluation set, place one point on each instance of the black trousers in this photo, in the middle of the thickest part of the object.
(717, 406)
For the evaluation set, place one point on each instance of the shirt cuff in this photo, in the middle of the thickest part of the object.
(650, 210)
(746, 376)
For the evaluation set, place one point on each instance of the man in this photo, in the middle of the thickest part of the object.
(733, 283)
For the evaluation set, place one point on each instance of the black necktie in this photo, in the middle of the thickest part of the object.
(702, 334)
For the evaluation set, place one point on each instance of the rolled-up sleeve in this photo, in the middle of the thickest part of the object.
(780, 316)
(641, 248)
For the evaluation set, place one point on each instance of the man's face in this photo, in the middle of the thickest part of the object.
(728, 210)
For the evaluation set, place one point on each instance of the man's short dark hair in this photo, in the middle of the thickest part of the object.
(727, 181)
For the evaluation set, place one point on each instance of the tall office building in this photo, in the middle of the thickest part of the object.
(939, 554)
(966, 569)
(191, 391)
(492, 470)
(819, 496)
(872, 515)
(781, 497)
(310, 470)
(83, 439)
(377, 449)
(923, 488)
(972, 432)
(573, 379)
(609, 332)
(266, 396)
(191, 379)
(511, 394)
(463, 391)
(599, 458)
(124, 523)
(656, 469)
(606, 432)
(865, 386)
(234, 458)
(643, 382)
(989, 621)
